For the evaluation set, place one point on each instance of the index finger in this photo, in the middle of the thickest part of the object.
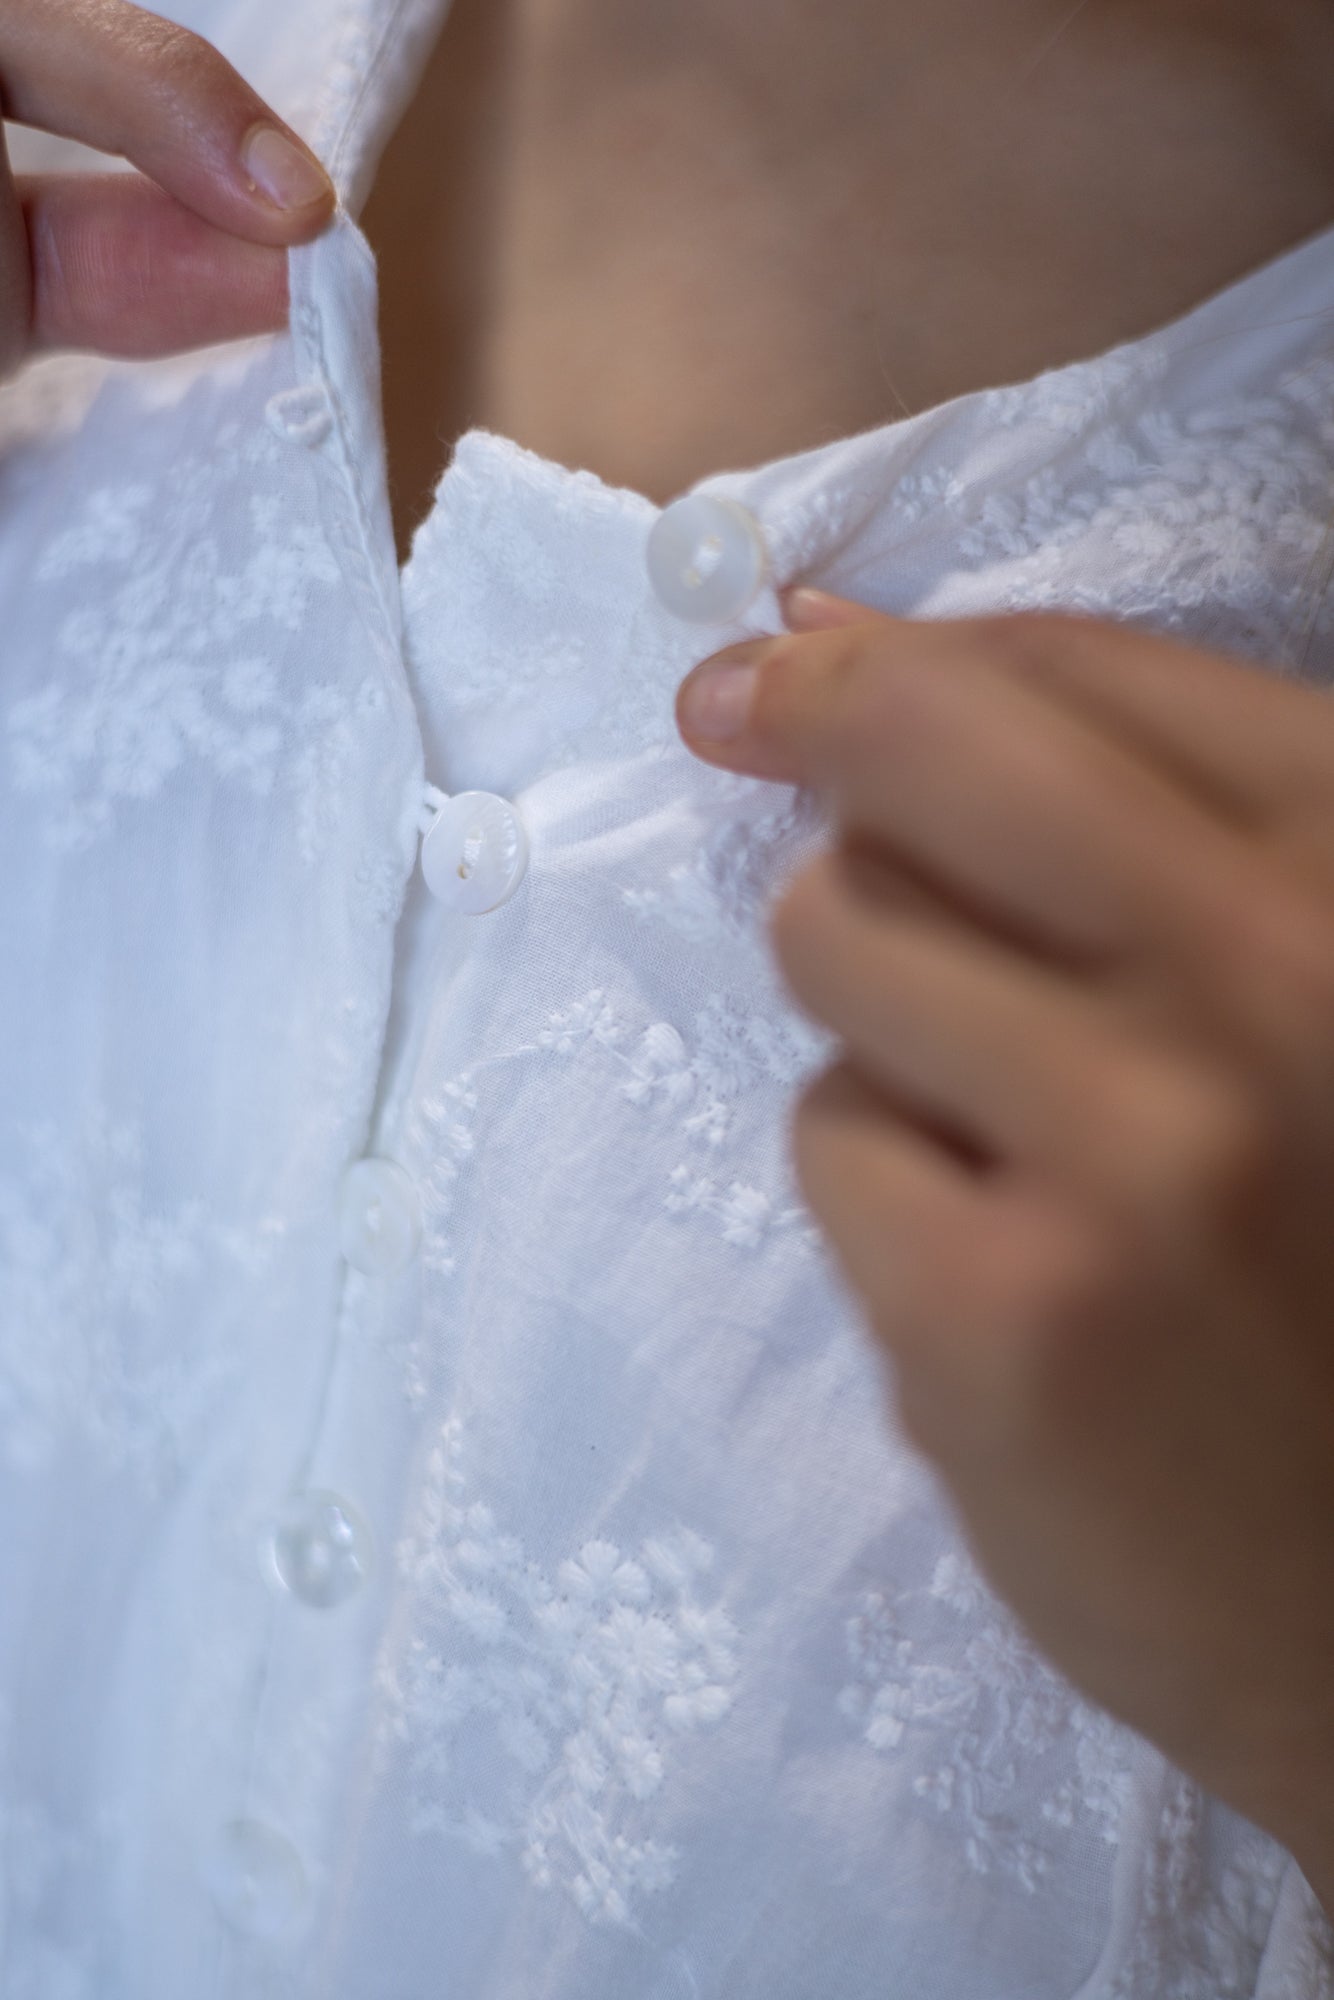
(1242, 739)
(1007, 800)
(129, 83)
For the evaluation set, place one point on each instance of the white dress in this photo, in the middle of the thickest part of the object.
(496, 1574)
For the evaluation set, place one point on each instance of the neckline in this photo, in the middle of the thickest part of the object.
(1306, 267)
(383, 46)
(1219, 317)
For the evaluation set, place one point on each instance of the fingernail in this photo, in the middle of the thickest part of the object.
(284, 171)
(715, 701)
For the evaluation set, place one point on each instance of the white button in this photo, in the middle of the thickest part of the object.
(379, 1217)
(475, 853)
(256, 1878)
(706, 559)
(320, 1549)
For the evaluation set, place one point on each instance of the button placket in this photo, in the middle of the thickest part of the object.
(263, 1862)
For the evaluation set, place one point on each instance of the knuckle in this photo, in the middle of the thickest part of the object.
(1290, 934)
(850, 674)
(1026, 1316)
(781, 664)
(1228, 1157)
(1064, 1319)
(1053, 1278)
(850, 658)
(1207, 1146)
(780, 704)
(176, 63)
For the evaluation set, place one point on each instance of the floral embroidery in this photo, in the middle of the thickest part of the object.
(734, 1050)
(726, 887)
(1199, 513)
(824, 517)
(533, 641)
(1302, 1946)
(1003, 1711)
(442, 1135)
(1200, 1927)
(919, 495)
(551, 1707)
(588, 1020)
(177, 656)
(582, 1686)
(95, 1284)
(746, 1215)
(1075, 399)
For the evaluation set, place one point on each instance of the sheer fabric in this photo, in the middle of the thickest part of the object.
(661, 1667)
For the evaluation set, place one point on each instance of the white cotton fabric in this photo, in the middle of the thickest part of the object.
(673, 1678)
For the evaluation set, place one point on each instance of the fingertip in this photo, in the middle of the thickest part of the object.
(128, 82)
(723, 717)
(715, 705)
(286, 181)
(807, 609)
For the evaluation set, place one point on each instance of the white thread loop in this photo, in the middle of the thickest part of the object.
(433, 804)
(301, 415)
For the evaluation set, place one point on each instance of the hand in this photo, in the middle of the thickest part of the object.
(133, 266)
(1076, 935)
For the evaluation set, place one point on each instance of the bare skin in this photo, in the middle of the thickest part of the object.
(1083, 1190)
(190, 250)
(1077, 1154)
(658, 240)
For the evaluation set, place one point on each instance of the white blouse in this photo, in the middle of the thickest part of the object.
(456, 1538)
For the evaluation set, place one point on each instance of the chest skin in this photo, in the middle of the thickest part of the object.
(657, 240)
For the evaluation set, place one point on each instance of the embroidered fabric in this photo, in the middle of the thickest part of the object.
(671, 1675)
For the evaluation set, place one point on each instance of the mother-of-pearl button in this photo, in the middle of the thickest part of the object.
(379, 1217)
(706, 559)
(320, 1549)
(475, 853)
(256, 1878)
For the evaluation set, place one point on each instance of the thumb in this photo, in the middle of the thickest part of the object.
(127, 82)
(784, 708)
